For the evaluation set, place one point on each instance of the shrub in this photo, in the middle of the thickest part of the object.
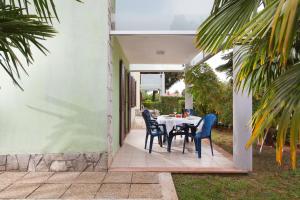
(151, 105)
(170, 104)
(166, 105)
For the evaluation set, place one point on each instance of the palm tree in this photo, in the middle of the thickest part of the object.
(20, 29)
(269, 34)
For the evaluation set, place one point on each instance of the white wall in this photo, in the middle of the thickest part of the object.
(63, 107)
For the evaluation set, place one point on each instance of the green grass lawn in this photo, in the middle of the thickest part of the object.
(267, 181)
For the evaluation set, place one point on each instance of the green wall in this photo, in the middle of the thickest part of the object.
(64, 105)
(118, 55)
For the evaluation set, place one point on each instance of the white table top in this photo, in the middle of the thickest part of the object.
(171, 122)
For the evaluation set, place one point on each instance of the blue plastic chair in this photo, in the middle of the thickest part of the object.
(153, 130)
(208, 122)
(190, 132)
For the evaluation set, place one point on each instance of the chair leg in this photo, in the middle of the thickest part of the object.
(151, 143)
(196, 144)
(165, 138)
(160, 141)
(184, 144)
(199, 148)
(170, 138)
(146, 140)
(211, 147)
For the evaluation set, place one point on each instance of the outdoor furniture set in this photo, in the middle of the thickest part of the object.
(165, 128)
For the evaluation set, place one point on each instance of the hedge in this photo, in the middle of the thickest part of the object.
(166, 105)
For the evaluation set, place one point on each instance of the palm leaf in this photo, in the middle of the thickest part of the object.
(227, 19)
(268, 57)
(45, 9)
(282, 104)
(20, 30)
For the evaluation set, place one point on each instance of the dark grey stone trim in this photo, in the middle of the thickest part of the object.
(71, 162)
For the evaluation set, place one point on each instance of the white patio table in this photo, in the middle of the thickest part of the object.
(171, 122)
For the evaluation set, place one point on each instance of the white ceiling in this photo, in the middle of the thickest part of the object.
(156, 68)
(171, 47)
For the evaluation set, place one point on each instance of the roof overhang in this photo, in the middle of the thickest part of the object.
(156, 68)
(157, 47)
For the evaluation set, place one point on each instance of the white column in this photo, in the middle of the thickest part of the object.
(242, 113)
(188, 99)
(188, 96)
(163, 83)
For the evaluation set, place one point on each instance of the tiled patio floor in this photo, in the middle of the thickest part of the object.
(87, 185)
(133, 157)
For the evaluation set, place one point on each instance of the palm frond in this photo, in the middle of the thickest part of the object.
(269, 58)
(21, 29)
(227, 18)
(277, 22)
(45, 9)
(281, 103)
(18, 32)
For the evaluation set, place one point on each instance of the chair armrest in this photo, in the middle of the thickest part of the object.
(190, 125)
(180, 126)
(163, 126)
(153, 122)
(185, 125)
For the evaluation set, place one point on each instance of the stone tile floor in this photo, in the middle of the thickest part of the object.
(133, 157)
(86, 185)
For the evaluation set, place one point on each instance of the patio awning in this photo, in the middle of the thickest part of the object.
(157, 47)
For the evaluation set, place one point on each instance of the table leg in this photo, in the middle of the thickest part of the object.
(170, 138)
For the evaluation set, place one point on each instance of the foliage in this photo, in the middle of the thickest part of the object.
(269, 33)
(23, 25)
(225, 115)
(152, 105)
(146, 96)
(204, 86)
(171, 104)
(228, 66)
(172, 77)
(166, 105)
(210, 95)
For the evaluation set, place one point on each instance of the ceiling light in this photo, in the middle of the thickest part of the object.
(160, 52)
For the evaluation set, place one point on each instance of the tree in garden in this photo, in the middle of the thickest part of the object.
(172, 77)
(210, 95)
(203, 81)
(24, 25)
(228, 66)
(269, 34)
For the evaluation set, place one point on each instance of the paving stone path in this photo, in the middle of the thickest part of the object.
(86, 185)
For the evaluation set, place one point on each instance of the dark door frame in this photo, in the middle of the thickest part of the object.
(129, 88)
(122, 103)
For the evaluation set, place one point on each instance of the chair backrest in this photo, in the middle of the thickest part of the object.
(208, 122)
(147, 118)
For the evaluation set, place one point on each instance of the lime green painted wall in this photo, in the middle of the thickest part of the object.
(118, 55)
(63, 108)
